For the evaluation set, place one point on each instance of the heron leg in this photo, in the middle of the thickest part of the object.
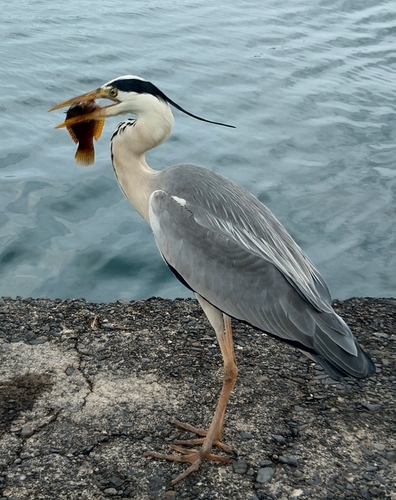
(222, 326)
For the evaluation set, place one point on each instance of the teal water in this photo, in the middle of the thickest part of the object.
(309, 85)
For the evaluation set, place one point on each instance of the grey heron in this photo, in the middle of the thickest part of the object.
(224, 245)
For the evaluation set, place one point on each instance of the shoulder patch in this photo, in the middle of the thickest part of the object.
(181, 201)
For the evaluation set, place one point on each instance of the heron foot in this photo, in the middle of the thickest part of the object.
(191, 455)
(199, 432)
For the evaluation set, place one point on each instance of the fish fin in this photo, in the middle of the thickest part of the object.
(72, 134)
(98, 129)
(85, 157)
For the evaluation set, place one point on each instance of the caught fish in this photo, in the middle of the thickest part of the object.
(84, 133)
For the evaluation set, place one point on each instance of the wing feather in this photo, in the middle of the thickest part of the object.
(237, 279)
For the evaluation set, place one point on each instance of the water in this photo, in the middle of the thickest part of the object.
(309, 85)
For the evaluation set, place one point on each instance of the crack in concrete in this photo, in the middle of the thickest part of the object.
(80, 368)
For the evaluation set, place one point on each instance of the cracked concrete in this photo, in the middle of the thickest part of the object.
(86, 389)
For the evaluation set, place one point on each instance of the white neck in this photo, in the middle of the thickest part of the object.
(137, 180)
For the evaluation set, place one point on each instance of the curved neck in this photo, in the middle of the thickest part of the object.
(136, 180)
(129, 144)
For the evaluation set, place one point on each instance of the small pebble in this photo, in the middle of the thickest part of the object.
(380, 478)
(379, 446)
(381, 335)
(26, 432)
(372, 407)
(376, 492)
(289, 461)
(240, 466)
(30, 335)
(364, 493)
(117, 481)
(246, 435)
(296, 493)
(110, 491)
(279, 439)
(265, 475)
(299, 380)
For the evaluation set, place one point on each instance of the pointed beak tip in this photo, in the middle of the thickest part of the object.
(53, 108)
(88, 96)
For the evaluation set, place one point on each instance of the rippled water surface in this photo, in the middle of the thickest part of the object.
(309, 85)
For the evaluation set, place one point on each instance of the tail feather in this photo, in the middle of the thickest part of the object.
(336, 360)
(336, 372)
(329, 368)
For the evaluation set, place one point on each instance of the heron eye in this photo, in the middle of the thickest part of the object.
(113, 92)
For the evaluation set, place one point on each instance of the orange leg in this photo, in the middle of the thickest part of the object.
(222, 325)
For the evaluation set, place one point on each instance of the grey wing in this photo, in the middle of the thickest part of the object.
(227, 208)
(240, 281)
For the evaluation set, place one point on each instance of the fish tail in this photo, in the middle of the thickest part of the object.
(85, 156)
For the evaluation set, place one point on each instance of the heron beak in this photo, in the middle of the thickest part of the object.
(98, 114)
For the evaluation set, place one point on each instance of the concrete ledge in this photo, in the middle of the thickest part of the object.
(86, 388)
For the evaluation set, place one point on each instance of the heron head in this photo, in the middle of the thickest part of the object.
(125, 92)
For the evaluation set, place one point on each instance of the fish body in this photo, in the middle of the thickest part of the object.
(84, 133)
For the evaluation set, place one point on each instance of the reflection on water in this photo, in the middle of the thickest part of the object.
(310, 89)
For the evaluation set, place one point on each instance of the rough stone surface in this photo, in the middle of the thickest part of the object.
(264, 475)
(86, 389)
(240, 466)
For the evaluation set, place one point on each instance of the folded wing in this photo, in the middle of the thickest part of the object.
(253, 271)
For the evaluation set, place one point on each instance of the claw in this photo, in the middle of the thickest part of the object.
(194, 456)
(173, 458)
(183, 451)
(193, 467)
(190, 428)
(193, 442)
